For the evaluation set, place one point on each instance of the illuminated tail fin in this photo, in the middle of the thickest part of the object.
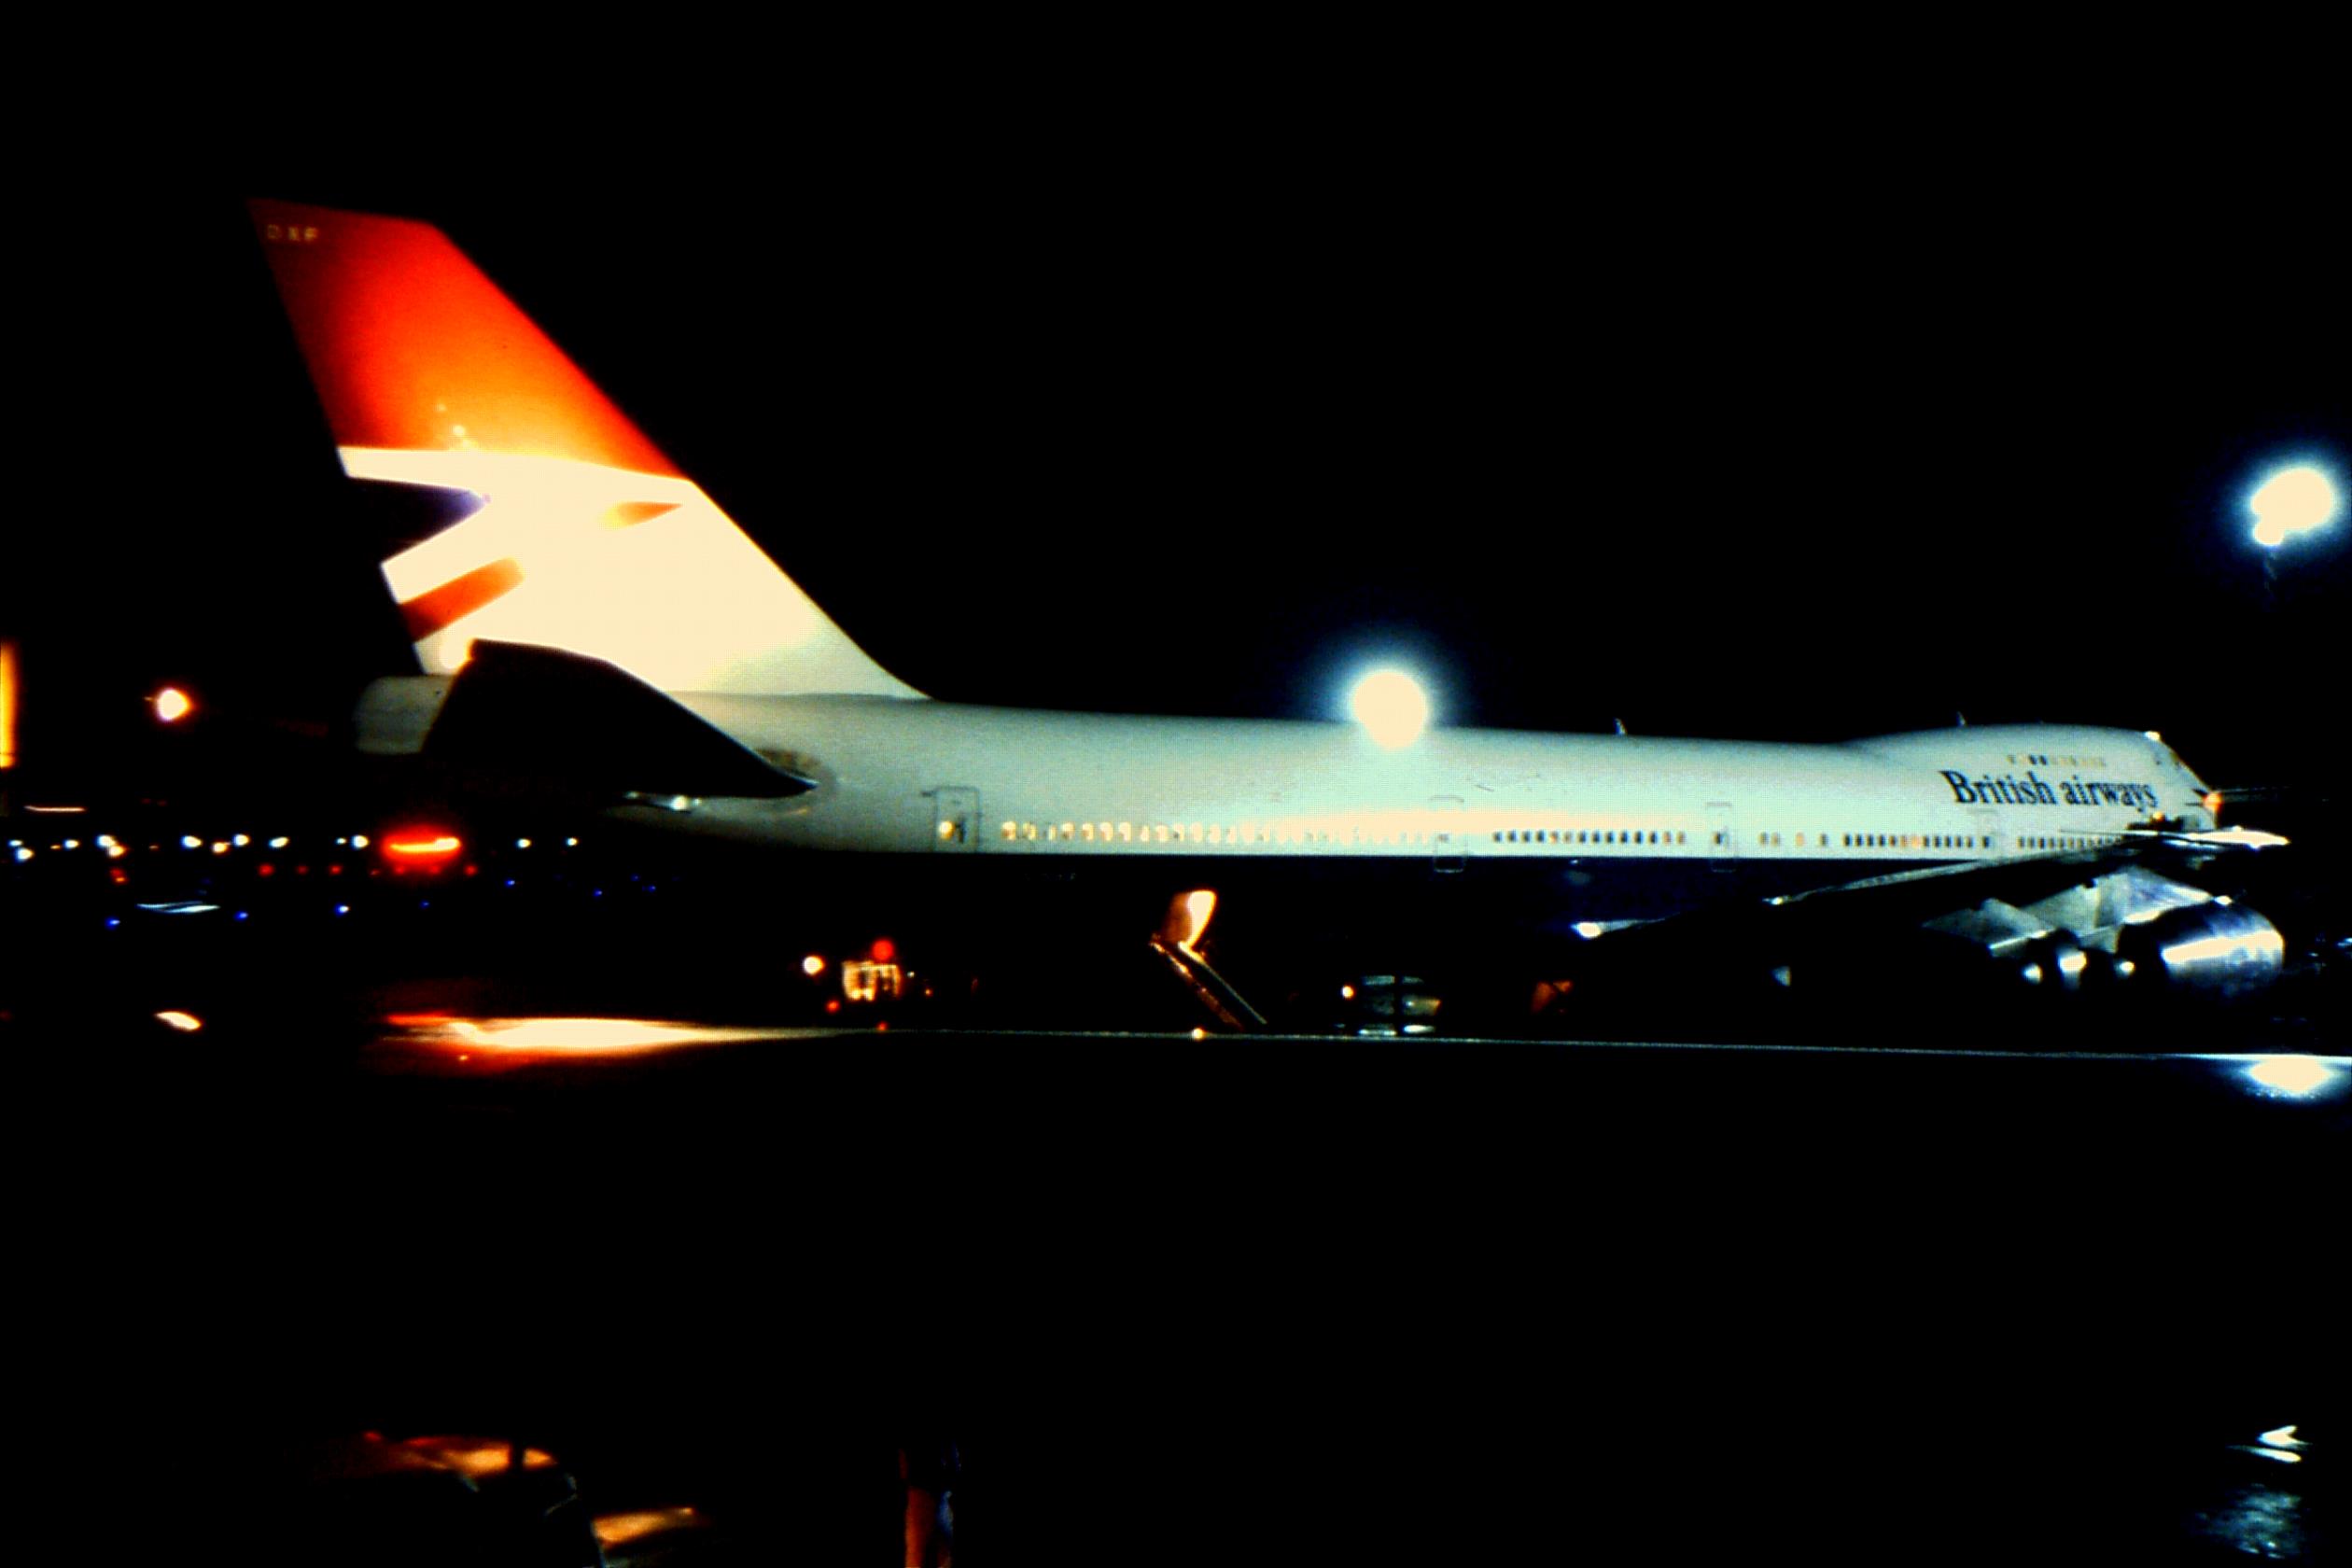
(576, 533)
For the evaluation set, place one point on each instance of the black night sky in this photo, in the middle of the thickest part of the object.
(1763, 446)
(1742, 428)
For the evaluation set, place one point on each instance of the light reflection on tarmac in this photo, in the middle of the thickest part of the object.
(1273, 1270)
(458, 1040)
(690, 1250)
(1259, 1296)
(561, 1036)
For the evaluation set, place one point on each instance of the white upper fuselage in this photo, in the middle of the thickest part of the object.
(1036, 784)
(563, 527)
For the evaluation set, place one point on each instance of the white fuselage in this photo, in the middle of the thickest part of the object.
(917, 775)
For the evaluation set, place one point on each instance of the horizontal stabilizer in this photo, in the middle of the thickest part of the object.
(526, 711)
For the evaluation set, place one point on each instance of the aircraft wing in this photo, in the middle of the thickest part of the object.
(2026, 879)
(2115, 914)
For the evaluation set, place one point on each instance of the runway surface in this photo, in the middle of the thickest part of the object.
(618, 1186)
(1297, 1293)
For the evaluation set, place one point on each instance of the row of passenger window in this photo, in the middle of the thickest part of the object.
(1908, 841)
(1586, 836)
(1176, 833)
(1259, 832)
(1868, 841)
(2064, 841)
(1764, 840)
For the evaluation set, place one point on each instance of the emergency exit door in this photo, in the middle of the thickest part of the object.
(955, 819)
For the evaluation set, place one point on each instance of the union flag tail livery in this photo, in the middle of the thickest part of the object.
(581, 535)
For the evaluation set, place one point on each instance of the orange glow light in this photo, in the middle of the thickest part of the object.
(171, 705)
(619, 1530)
(425, 845)
(2213, 803)
(475, 1456)
(7, 704)
(1200, 905)
(1188, 918)
(562, 1036)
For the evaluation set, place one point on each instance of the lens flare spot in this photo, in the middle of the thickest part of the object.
(2292, 501)
(2300, 1077)
(1391, 707)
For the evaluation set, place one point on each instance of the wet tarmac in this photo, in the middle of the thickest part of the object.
(1906, 1289)
(1208, 1298)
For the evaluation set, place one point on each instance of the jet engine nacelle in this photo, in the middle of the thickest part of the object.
(2216, 949)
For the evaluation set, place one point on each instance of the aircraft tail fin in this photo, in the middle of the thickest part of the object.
(567, 527)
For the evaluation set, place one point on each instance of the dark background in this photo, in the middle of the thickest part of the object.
(1782, 434)
(1791, 436)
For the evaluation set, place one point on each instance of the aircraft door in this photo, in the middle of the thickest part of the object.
(1723, 837)
(1448, 843)
(1988, 827)
(955, 819)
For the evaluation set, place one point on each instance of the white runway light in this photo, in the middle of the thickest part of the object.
(2292, 501)
(2296, 1077)
(1390, 706)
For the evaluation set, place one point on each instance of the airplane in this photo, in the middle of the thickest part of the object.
(583, 609)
